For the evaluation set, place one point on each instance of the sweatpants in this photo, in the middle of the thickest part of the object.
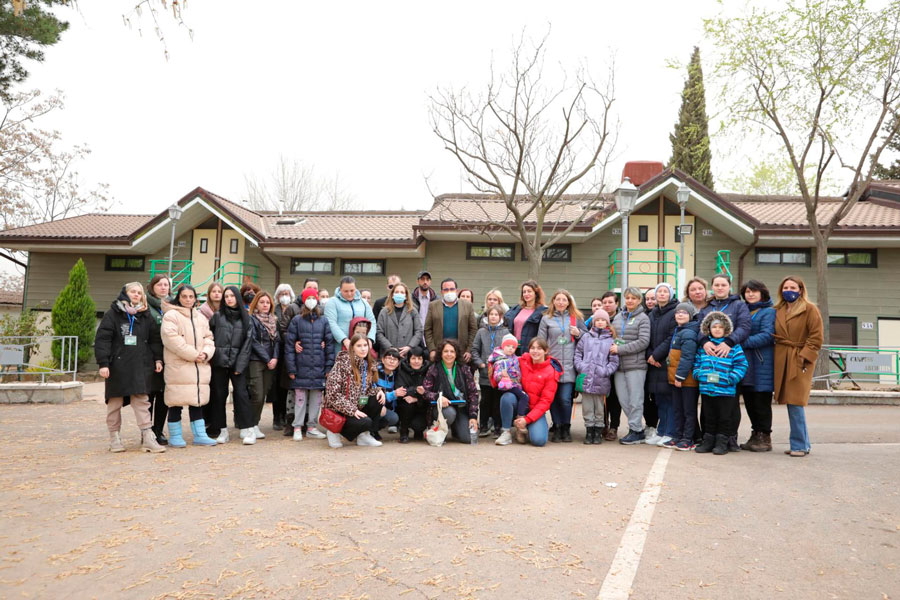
(158, 410)
(195, 413)
(259, 381)
(592, 409)
(759, 409)
(214, 412)
(306, 400)
(489, 407)
(630, 389)
(684, 409)
(458, 422)
(140, 404)
(411, 417)
(561, 409)
(718, 414)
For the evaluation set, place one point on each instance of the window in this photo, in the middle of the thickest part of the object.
(490, 251)
(556, 253)
(124, 263)
(643, 233)
(863, 259)
(204, 245)
(843, 331)
(233, 247)
(302, 266)
(362, 267)
(788, 256)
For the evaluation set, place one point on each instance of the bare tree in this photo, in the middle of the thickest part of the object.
(823, 77)
(293, 187)
(531, 146)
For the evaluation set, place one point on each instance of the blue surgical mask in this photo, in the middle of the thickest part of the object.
(399, 298)
(790, 295)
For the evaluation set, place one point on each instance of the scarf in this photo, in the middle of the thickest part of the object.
(268, 320)
(129, 309)
(444, 381)
(232, 314)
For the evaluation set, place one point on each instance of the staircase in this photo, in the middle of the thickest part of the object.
(229, 273)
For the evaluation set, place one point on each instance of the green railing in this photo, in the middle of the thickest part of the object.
(663, 262)
(886, 365)
(723, 262)
(181, 270)
(231, 273)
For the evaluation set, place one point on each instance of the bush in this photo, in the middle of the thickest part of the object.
(74, 313)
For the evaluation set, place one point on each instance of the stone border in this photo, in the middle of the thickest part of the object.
(41, 393)
(854, 397)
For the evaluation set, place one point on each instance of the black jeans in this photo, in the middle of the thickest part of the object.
(355, 426)
(718, 414)
(651, 414)
(259, 381)
(489, 407)
(759, 409)
(684, 404)
(411, 417)
(195, 413)
(613, 408)
(214, 412)
(158, 410)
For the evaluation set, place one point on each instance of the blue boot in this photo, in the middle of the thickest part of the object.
(175, 438)
(198, 428)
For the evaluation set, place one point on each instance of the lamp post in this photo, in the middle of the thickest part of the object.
(626, 196)
(682, 195)
(174, 214)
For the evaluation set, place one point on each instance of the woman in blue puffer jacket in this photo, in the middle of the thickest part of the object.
(308, 332)
(759, 382)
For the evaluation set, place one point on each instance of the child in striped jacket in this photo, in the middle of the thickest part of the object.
(718, 377)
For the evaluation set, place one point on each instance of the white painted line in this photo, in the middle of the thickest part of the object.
(617, 585)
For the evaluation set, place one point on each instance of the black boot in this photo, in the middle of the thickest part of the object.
(589, 435)
(555, 434)
(721, 444)
(708, 443)
(566, 435)
(278, 423)
(288, 430)
(160, 438)
(598, 435)
(733, 444)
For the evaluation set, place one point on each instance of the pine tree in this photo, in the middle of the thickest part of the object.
(26, 28)
(690, 142)
(74, 313)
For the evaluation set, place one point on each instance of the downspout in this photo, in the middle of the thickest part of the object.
(274, 264)
(752, 245)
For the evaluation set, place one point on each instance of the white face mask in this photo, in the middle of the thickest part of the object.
(450, 297)
(284, 300)
(311, 303)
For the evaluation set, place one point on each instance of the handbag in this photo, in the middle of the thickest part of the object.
(331, 420)
(579, 383)
(437, 433)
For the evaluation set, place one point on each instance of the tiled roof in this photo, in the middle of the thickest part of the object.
(83, 227)
(11, 297)
(340, 226)
(484, 208)
(786, 211)
(253, 219)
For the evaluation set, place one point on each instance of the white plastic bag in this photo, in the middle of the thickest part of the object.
(437, 433)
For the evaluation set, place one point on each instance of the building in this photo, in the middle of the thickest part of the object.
(756, 237)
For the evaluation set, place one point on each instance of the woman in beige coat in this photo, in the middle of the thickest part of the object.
(798, 338)
(188, 346)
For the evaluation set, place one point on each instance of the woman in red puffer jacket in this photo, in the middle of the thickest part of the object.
(540, 375)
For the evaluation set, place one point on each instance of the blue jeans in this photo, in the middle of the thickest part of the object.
(561, 409)
(666, 410)
(537, 431)
(389, 419)
(799, 433)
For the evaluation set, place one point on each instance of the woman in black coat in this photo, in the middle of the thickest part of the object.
(157, 292)
(129, 350)
(524, 319)
(265, 354)
(662, 327)
(231, 332)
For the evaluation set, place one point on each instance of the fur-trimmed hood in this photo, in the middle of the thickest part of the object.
(716, 316)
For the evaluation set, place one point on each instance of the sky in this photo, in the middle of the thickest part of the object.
(342, 87)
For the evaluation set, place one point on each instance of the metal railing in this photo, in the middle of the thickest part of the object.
(181, 270)
(723, 262)
(867, 363)
(16, 353)
(660, 264)
(232, 273)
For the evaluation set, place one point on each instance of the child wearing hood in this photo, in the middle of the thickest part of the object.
(718, 378)
(680, 366)
(507, 377)
(412, 404)
(593, 360)
(362, 326)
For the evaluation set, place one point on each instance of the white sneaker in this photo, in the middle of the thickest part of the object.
(505, 438)
(334, 440)
(662, 441)
(314, 433)
(298, 435)
(248, 437)
(366, 439)
(259, 434)
(223, 437)
(392, 429)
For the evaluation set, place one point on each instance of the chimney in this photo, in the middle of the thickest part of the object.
(641, 171)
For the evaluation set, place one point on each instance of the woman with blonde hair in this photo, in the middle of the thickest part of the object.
(798, 339)
(697, 293)
(213, 300)
(129, 351)
(492, 298)
(398, 325)
(561, 326)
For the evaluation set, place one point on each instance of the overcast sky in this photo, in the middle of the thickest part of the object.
(341, 86)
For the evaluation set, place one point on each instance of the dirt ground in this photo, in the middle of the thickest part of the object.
(298, 520)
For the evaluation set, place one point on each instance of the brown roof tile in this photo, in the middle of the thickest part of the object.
(83, 227)
(11, 297)
(344, 225)
(452, 209)
(791, 212)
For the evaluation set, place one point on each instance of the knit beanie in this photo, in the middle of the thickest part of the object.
(687, 307)
(307, 293)
(600, 314)
(509, 339)
(665, 285)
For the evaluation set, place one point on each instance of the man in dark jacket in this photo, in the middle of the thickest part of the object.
(422, 297)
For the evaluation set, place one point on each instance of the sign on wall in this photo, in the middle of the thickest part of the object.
(11, 354)
(867, 325)
(869, 362)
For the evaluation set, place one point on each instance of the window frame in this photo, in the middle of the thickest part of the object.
(782, 252)
(567, 247)
(847, 252)
(110, 257)
(382, 263)
(233, 246)
(204, 245)
(313, 261)
(491, 245)
(850, 320)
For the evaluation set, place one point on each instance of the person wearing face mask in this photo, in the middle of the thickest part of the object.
(278, 392)
(398, 323)
(450, 319)
(129, 350)
(633, 328)
(309, 352)
(231, 331)
(798, 339)
(392, 280)
(294, 308)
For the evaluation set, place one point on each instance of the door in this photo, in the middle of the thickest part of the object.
(232, 260)
(203, 253)
(643, 241)
(889, 337)
(672, 242)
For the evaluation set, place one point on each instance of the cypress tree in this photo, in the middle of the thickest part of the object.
(690, 141)
(74, 313)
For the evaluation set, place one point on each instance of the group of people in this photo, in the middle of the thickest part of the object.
(339, 368)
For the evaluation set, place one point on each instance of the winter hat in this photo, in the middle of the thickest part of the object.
(713, 318)
(600, 314)
(309, 293)
(688, 308)
(509, 339)
(665, 285)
